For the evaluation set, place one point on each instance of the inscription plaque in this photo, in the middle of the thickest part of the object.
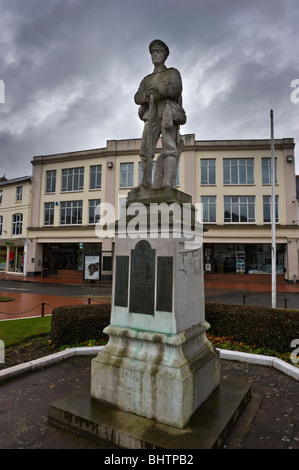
(121, 281)
(164, 283)
(142, 282)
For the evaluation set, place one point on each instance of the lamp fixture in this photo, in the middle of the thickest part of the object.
(110, 164)
(289, 158)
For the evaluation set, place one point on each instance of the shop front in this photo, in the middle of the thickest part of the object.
(71, 257)
(13, 257)
(226, 258)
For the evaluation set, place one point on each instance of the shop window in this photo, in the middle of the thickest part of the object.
(208, 208)
(267, 209)
(3, 253)
(94, 211)
(126, 175)
(95, 177)
(239, 209)
(208, 171)
(17, 222)
(51, 181)
(49, 213)
(73, 179)
(16, 259)
(19, 193)
(266, 171)
(71, 212)
(238, 171)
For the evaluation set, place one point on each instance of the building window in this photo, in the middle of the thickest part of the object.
(17, 222)
(51, 181)
(208, 208)
(267, 209)
(49, 213)
(1, 195)
(208, 171)
(94, 211)
(238, 171)
(266, 171)
(126, 175)
(96, 177)
(73, 179)
(71, 212)
(19, 193)
(239, 209)
(1, 224)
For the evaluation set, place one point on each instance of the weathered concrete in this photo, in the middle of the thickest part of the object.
(208, 428)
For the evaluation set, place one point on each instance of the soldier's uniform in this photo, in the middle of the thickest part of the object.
(165, 116)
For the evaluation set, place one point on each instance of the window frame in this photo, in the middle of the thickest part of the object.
(19, 193)
(208, 205)
(52, 181)
(267, 206)
(92, 213)
(68, 179)
(128, 172)
(17, 224)
(49, 213)
(68, 209)
(238, 203)
(210, 170)
(269, 170)
(234, 167)
(97, 174)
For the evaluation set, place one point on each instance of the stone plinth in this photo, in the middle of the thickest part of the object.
(158, 362)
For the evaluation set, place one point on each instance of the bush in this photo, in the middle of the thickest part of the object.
(260, 326)
(75, 323)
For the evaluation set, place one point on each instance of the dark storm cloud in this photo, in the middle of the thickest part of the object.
(71, 68)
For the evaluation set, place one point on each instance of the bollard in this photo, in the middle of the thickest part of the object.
(244, 297)
(43, 309)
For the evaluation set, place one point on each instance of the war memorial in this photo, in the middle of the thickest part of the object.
(156, 384)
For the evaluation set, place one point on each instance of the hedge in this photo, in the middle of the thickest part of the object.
(75, 323)
(260, 326)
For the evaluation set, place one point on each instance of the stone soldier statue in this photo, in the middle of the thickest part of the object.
(160, 107)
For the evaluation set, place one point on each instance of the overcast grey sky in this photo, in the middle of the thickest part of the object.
(71, 69)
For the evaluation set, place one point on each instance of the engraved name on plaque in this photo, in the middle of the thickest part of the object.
(121, 281)
(142, 282)
(164, 283)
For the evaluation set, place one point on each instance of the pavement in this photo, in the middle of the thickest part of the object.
(270, 420)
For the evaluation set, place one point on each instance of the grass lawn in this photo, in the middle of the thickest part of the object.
(16, 331)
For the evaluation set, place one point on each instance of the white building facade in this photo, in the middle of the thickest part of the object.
(231, 179)
(15, 212)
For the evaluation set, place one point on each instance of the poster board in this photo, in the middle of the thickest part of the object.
(92, 265)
